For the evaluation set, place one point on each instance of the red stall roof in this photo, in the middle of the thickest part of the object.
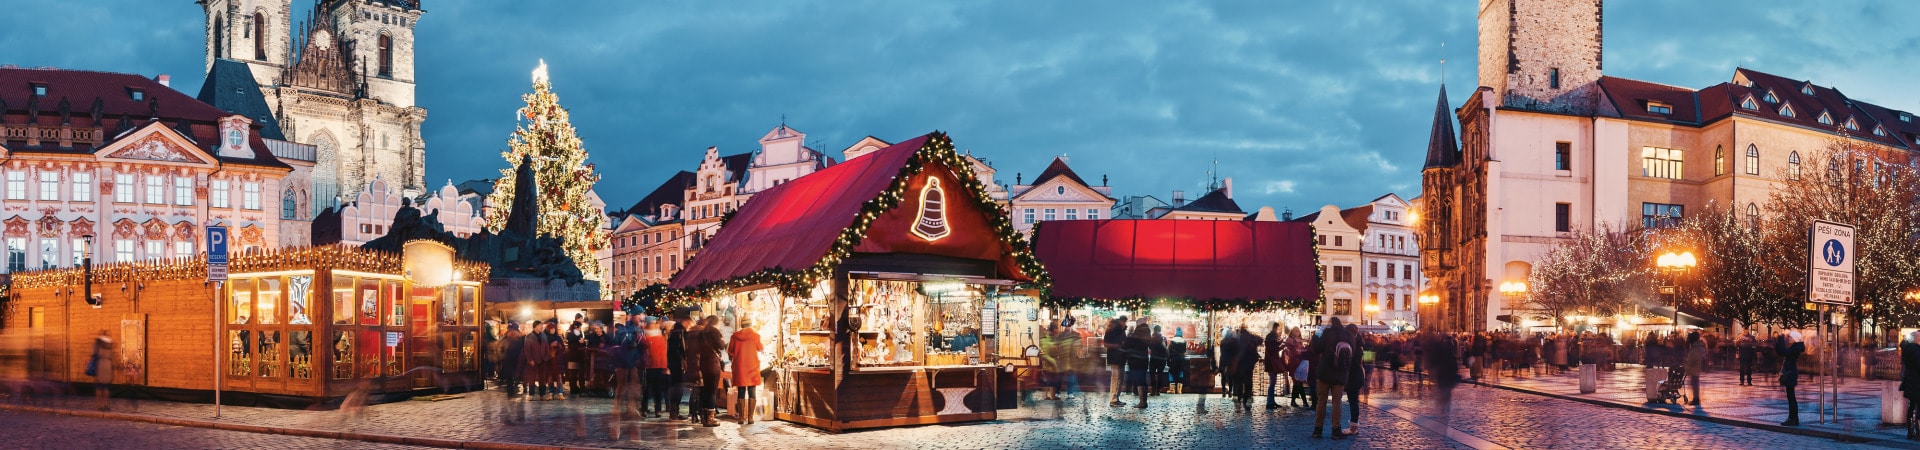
(793, 226)
(1202, 260)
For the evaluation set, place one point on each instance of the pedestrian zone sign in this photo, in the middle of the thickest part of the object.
(1830, 266)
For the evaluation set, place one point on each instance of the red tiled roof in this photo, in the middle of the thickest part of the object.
(1205, 260)
(1631, 97)
(1806, 108)
(80, 88)
(1357, 217)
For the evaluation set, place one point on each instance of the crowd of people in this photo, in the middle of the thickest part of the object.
(650, 366)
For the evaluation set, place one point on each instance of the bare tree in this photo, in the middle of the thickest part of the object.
(1859, 184)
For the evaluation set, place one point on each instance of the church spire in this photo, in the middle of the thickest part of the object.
(1442, 149)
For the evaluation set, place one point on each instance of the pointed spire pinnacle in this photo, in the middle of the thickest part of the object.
(1442, 149)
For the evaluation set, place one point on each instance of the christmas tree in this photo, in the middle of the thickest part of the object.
(561, 174)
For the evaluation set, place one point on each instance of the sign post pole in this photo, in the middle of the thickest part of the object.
(217, 274)
(1830, 273)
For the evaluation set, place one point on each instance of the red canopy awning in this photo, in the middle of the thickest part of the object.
(1202, 260)
(793, 226)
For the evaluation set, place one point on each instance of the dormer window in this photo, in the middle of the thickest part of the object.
(1877, 131)
(1807, 89)
(1787, 111)
(1851, 125)
(39, 89)
(1825, 119)
(1904, 117)
(1770, 98)
(1748, 104)
(1659, 108)
(137, 95)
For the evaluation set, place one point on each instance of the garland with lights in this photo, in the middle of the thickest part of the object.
(1206, 304)
(938, 149)
(328, 257)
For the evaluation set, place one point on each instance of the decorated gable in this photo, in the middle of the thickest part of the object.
(936, 216)
(155, 143)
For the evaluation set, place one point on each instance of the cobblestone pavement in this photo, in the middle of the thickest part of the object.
(1764, 403)
(47, 431)
(1481, 417)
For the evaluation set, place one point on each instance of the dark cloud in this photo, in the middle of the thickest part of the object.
(1303, 103)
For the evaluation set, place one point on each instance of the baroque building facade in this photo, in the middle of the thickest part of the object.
(343, 83)
(135, 166)
(1057, 194)
(1549, 146)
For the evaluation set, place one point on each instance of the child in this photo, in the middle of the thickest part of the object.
(1300, 386)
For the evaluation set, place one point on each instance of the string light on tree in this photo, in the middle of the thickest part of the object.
(562, 175)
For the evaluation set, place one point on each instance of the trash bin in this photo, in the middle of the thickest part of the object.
(1655, 376)
(1587, 374)
(1893, 405)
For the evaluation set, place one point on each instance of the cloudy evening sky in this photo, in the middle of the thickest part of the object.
(1302, 103)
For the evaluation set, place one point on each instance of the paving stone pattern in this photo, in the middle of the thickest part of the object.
(1482, 417)
(1722, 396)
(55, 432)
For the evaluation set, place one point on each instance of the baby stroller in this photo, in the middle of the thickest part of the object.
(1670, 389)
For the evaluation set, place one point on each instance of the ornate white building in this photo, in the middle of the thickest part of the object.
(1340, 260)
(348, 90)
(1057, 194)
(131, 162)
(1390, 256)
(371, 213)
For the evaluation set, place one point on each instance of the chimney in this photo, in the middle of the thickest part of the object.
(1226, 187)
(1179, 198)
(164, 79)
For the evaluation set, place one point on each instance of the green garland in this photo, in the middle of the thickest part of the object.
(938, 149)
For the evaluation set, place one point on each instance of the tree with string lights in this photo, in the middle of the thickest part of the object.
(1595, 271)
(562, 177)
(1875, 191)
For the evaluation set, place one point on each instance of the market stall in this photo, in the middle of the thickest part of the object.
(293, 326)
(1195, 278)
(881, 278)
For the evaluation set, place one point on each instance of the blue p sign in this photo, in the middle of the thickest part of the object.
(216, 244)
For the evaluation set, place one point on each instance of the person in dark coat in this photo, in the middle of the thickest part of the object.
(1747, 352)
(1443, 368)
(1910, 381)
(1335, 351)
(677, 367)
(707, 344)
(1157, 365)
(1790, 350)
(1114, 340)
(1276, 364)
(1249, 360)
(1138, 358)
(1229, 356)
(510, 362)
(1356, 379)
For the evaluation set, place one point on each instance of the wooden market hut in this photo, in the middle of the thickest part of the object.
(884, 254)
(1203, 265)
(291, 327)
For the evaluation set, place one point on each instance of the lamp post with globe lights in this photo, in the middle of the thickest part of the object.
(1674, 265)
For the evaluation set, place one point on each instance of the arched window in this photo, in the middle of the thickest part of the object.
(219, 38)
(1719, 161)
(259, 28)
(386, 55)
(289, 205)
(1753, 216)
(1753, 159)
(1793, 165)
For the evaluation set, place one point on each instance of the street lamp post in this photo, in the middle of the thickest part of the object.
(1371, 310)
(1428, 300)
(1674, 265)
(1513, 290)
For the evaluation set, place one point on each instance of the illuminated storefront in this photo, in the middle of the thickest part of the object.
(875, 285)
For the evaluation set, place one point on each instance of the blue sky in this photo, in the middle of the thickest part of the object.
(1302, 103)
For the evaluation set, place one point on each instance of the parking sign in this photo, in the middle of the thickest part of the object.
(216, 253)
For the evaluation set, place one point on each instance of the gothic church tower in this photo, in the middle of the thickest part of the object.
(1541, 55)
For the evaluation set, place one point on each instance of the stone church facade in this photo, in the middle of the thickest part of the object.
(342, 82)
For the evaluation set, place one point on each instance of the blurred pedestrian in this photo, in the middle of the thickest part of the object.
(677, 367)
(1053, 357)
(1910, 381)
(510, 364)
(1790, 350)
(1696, 363)
(1138, 357)
(1335, 352)
(1356, 379)
(708, 345)
(533, 362)
(100, 367)
(1157, 362)
(744, 349)
(1115, 338)
(1177, 360)
(1276, 362)
(1747, 350)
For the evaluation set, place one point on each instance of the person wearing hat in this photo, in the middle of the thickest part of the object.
(511, 344)
(1790, 350)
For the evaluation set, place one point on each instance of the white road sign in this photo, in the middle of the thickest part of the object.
(1830, 266)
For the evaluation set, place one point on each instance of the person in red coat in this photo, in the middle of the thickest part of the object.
(744, 349)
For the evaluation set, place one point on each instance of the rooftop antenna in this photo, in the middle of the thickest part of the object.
(1443, 63)
(1213, 173)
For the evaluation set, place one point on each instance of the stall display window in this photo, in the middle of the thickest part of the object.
(267, 311)
(396, 306)
(269, 355)
(369, 302)
(299, 298)
(889, 312)
(469, 305)
(343, 367)
(343, 300)
(240, 309)
(469, 351)
(300, 355)
(954, 315)
(240, 347)
(449, 305)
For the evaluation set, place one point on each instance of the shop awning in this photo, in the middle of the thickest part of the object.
(795, 225)
(1202, 260)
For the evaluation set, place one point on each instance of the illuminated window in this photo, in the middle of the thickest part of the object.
(1793, 165)
(1753, 159)
(1661, 163)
